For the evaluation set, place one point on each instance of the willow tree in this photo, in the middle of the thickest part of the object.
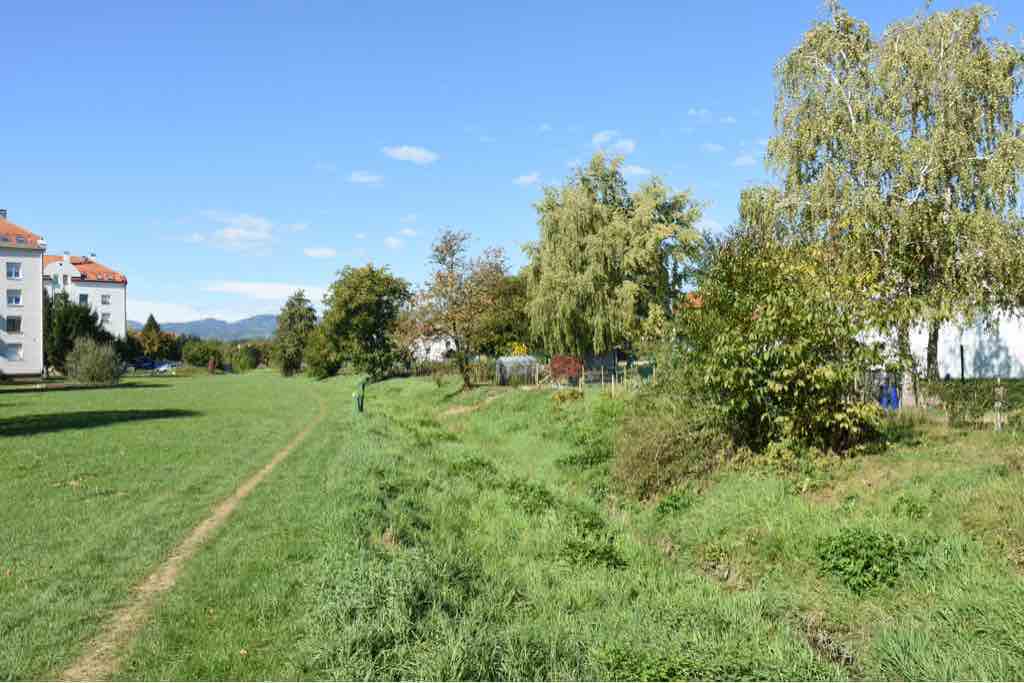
(609, 262)
(903, 153)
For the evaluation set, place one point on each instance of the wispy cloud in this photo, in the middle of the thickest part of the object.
(527, 179)
(728, 120)
(699, 113)
(632, 170)
(603, 137)
(744, 160)
(320, 252)
(237, 231)
(417, 155)
(262, 291)
(712, 147)
(364, 178)
(407, 232)
(393, 243)
(613, 143)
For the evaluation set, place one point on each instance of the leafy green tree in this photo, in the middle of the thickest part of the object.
(776, 340)
(65, 322)
(903, 154)
(198, 353)
(607, 259)
(459, 295)
(504, 322)
(361, 309)
(295, 323)
(152, 339)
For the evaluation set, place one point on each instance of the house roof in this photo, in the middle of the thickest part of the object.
(12, 235)
(91, 271)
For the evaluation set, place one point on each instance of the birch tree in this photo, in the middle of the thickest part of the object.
(904, 155)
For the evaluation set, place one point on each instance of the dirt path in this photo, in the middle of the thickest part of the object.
(102, 657)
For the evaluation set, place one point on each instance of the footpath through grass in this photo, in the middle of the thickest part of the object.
(423, 540)
(97, 486)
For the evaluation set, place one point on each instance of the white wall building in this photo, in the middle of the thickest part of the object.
(21, 305)
(88, 282)
(993, 351)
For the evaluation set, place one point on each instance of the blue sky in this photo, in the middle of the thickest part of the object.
(221, 154)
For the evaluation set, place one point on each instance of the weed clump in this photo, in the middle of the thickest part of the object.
(675, 502)
(534, 498)
(863, 559)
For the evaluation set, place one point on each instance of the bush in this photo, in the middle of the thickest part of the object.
(965, 403)
(93, 362)
(245, 357)
(321, 356)
(862, 559)
(198, 353)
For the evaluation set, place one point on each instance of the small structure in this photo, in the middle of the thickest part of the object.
(515, 370)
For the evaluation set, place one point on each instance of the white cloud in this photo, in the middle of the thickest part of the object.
(709, 224)
(632, 170)
(544, 128)
(360, 235)
(602, 138)
(407, 232)
(527, 179)
(744, 160)
(417, 155)
(408, 218)
(263, 291)
(623, 147)
(728, 120)
(699, 113)
(364, 178)
(320, 252)
(164, 312)
(393, 243)
(712, 147)
(238, 231)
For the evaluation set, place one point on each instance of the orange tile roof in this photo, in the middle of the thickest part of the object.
(12, 235)
(91, 270)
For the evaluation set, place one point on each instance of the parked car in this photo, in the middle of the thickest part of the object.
(143, 363)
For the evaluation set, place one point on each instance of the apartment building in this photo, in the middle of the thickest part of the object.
(21, 306)
(92, 284)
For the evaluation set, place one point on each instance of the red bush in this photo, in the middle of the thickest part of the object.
(566, 367)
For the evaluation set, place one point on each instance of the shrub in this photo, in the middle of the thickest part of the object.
(566, 368)
(965, 403)
(862, 559)
(93, 362)
(198, 353)
(778, 341)
(321, 355)
(245, 357)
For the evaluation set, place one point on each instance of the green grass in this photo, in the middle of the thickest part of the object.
(97, 485)
(424, 540)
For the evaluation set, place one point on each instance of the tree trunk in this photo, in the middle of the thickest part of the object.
(933, 349)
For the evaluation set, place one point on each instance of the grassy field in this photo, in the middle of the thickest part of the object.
(477, 536)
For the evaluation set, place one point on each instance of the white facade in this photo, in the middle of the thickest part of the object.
(996, 351)
(87, 282)
(21, 310)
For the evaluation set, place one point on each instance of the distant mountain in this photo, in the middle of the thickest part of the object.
(257, 327)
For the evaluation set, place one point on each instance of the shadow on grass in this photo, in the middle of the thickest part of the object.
(5, 390)
(26, 425)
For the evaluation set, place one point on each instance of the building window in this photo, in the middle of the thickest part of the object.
(13, 297)
(64, 280)
(13, 270)
(105, 299)
(105, 318)
(13, 352)
(12, 324)
(83, 299)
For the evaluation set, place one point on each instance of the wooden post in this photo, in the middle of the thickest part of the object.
(602, 378)
(614, 372)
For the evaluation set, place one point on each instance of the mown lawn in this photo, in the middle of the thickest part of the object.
(425, 541)
(97, 485)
